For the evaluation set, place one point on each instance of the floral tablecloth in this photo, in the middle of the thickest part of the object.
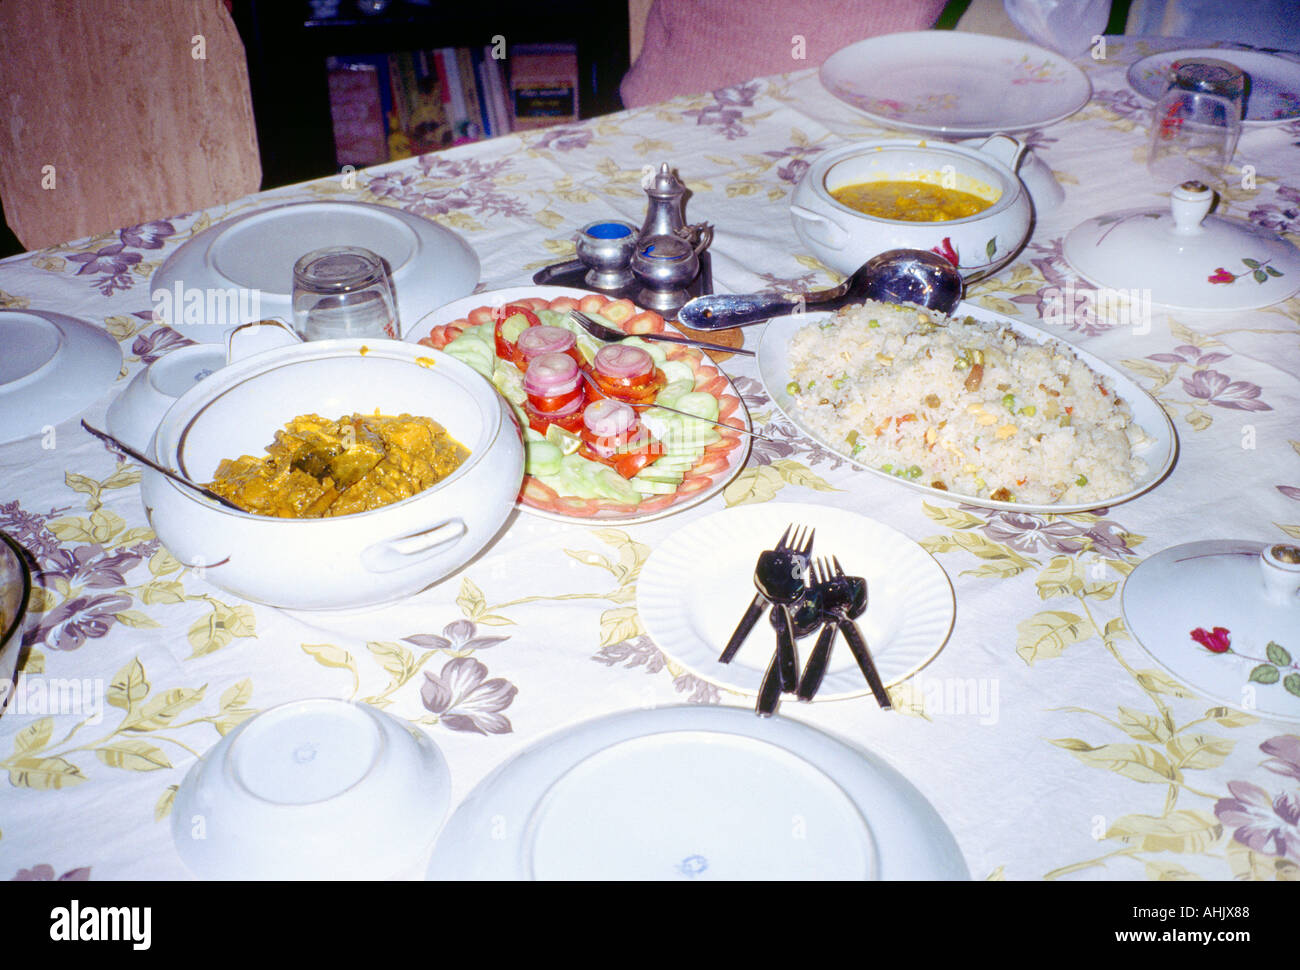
(1043, 734)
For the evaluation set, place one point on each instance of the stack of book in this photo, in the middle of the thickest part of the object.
(390, 106)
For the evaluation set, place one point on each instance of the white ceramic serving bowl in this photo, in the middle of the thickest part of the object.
(313, 789)
(352, 560)
(844, 238)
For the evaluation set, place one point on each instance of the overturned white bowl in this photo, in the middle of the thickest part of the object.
(346, 561)
(313, 789)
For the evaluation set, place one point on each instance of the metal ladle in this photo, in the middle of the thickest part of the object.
(175, 476)
(897, 276)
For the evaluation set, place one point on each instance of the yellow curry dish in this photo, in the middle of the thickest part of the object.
(318, 468)
(910, 201)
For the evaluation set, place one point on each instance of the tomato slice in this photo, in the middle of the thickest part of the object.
(539, 422)
(549, 405)
(634, 390)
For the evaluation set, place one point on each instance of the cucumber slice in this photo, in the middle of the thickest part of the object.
(677, 370)
(699, 403)
(614, 486)
(656, 351)
(555, 318)
(472, 353)
(649, 487)
(671, 464)
(509, 381)
(512, 326)
(543, 458)
(675, 390)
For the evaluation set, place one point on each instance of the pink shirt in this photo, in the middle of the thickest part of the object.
(692, 46)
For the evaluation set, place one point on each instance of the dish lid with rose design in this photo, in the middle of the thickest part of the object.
(1223, 617)
(1185, 257)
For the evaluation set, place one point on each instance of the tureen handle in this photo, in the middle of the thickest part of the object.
(1005, 149)
(258, 335)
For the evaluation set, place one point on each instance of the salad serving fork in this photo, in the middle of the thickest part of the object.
(610, 335)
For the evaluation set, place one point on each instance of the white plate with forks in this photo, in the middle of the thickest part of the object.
(697, 583)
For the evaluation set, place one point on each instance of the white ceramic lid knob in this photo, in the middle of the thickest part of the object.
(1190, 203)
(1280, 565)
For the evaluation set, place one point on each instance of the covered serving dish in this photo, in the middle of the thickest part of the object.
(844, 238)
(349, 560)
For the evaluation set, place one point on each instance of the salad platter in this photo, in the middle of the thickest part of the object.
(597, 446)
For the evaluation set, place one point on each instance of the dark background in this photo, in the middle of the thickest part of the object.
(286, 51)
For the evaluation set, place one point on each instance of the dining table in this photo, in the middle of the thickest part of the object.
(1048, 740)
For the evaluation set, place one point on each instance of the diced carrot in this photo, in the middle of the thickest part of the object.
(617, 311)
(564, 303)
(534, 303)
(452, 331)
(645, 322)
(481, 315)
(593, 303)
(714, 386)
(428, 342)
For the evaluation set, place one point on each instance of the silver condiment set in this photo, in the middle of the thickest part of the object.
(664, 257)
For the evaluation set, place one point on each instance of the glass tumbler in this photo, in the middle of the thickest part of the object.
(343, 291)
(1196, 124)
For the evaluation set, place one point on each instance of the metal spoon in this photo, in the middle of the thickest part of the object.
(610, 335)
(176, 477)
(897, 276)
(819, 659)
(846, 597)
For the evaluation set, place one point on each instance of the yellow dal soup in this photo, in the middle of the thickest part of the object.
(910, 201)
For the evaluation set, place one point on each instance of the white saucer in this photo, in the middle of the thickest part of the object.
(695, 793)
(254, 253)
(695, 587)
(52, 367)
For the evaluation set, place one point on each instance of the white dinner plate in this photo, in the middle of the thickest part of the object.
(1217, 585)
(695, 793)
(695, 586)
(254, 253)
(950, 83)
(1274, 95)
(52, 367)
(566, 509)
(1159, 454)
